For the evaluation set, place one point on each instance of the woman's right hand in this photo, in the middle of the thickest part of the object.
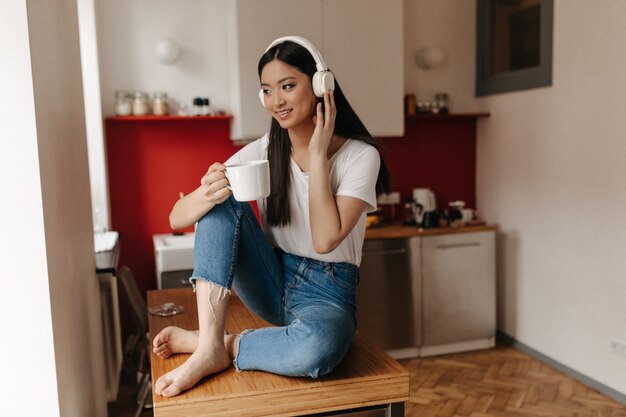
(212, 191)
(213, 184)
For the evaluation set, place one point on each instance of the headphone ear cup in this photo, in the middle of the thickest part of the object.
(328, 80)
(261, 98)
(322, 82)
(318, 87)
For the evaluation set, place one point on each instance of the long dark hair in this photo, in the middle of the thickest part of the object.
(347, 124)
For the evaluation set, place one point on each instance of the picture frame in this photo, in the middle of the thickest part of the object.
(521, 69)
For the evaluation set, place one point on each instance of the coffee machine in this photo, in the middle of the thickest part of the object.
(425, 208)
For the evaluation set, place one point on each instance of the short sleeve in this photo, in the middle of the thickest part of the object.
(251, 152)
(360, 174)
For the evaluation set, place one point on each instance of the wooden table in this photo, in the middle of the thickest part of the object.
(367, 377)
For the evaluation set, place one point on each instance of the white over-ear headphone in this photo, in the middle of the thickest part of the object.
(323, 79)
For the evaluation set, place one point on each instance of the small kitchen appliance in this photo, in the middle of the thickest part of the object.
(425, 208)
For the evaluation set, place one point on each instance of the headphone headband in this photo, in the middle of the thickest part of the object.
(323, 80)
(317, 56)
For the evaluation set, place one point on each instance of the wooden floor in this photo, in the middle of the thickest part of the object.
(501, 382)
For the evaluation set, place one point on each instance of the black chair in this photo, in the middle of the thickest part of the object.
(137, 346)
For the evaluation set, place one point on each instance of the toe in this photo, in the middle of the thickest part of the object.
(162, 337)
(165, 353)
(161, 384)
(171, 391)
(158, 341)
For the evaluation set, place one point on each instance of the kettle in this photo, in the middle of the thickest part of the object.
(425, 207)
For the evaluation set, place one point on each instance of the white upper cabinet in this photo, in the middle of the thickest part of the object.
(360, 40)
(254, 25)
(363, 46)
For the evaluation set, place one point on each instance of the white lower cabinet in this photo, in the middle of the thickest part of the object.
(458, 292)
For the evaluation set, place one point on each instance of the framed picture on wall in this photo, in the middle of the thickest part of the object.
(513, 45)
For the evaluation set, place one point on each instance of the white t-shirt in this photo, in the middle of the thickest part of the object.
(353, 172)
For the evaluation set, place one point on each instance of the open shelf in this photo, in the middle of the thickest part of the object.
(166, 118)
(447, 116)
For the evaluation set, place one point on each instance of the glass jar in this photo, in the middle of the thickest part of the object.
(123, 103)
(196, 110)
(441, 101)
(206, 108)
(160, 106)
(140, 104)
(409, 213)
(455, 213)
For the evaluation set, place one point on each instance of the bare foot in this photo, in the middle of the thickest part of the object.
(173, 340)
(204, 361)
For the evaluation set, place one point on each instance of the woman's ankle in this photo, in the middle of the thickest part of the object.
(231, 342)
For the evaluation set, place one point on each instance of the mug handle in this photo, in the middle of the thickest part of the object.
(228, 185)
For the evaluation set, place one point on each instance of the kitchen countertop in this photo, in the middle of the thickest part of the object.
(398, 230)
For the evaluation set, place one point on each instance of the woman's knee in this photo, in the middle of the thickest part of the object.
(225, 213)
(324, 348)
(219, 210)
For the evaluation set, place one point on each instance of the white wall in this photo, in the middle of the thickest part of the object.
(24, 290)
(552, 175)
(49, 292)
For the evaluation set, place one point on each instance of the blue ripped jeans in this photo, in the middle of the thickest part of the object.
(310, 302)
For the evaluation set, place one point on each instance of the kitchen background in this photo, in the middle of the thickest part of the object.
(549, 169)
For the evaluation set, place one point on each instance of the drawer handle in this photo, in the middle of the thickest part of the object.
(384, 252)
(185, 282)
(458, 245)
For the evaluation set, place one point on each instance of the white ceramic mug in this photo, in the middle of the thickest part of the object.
(468, 215)
(250, 180)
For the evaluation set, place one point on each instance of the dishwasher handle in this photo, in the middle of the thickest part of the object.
(384, 252)
(457, 245)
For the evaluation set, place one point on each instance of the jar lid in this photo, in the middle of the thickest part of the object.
(198, 101)
(160, 95)
(139, 94)
(122, 93)
(205, 101)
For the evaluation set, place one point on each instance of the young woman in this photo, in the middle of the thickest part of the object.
(300, 272)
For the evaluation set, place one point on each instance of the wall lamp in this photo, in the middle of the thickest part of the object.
(429, 57)
(167, 51)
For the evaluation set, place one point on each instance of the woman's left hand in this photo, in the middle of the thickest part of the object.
(324, 125)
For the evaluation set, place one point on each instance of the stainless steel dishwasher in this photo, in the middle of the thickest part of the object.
(388, 298)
